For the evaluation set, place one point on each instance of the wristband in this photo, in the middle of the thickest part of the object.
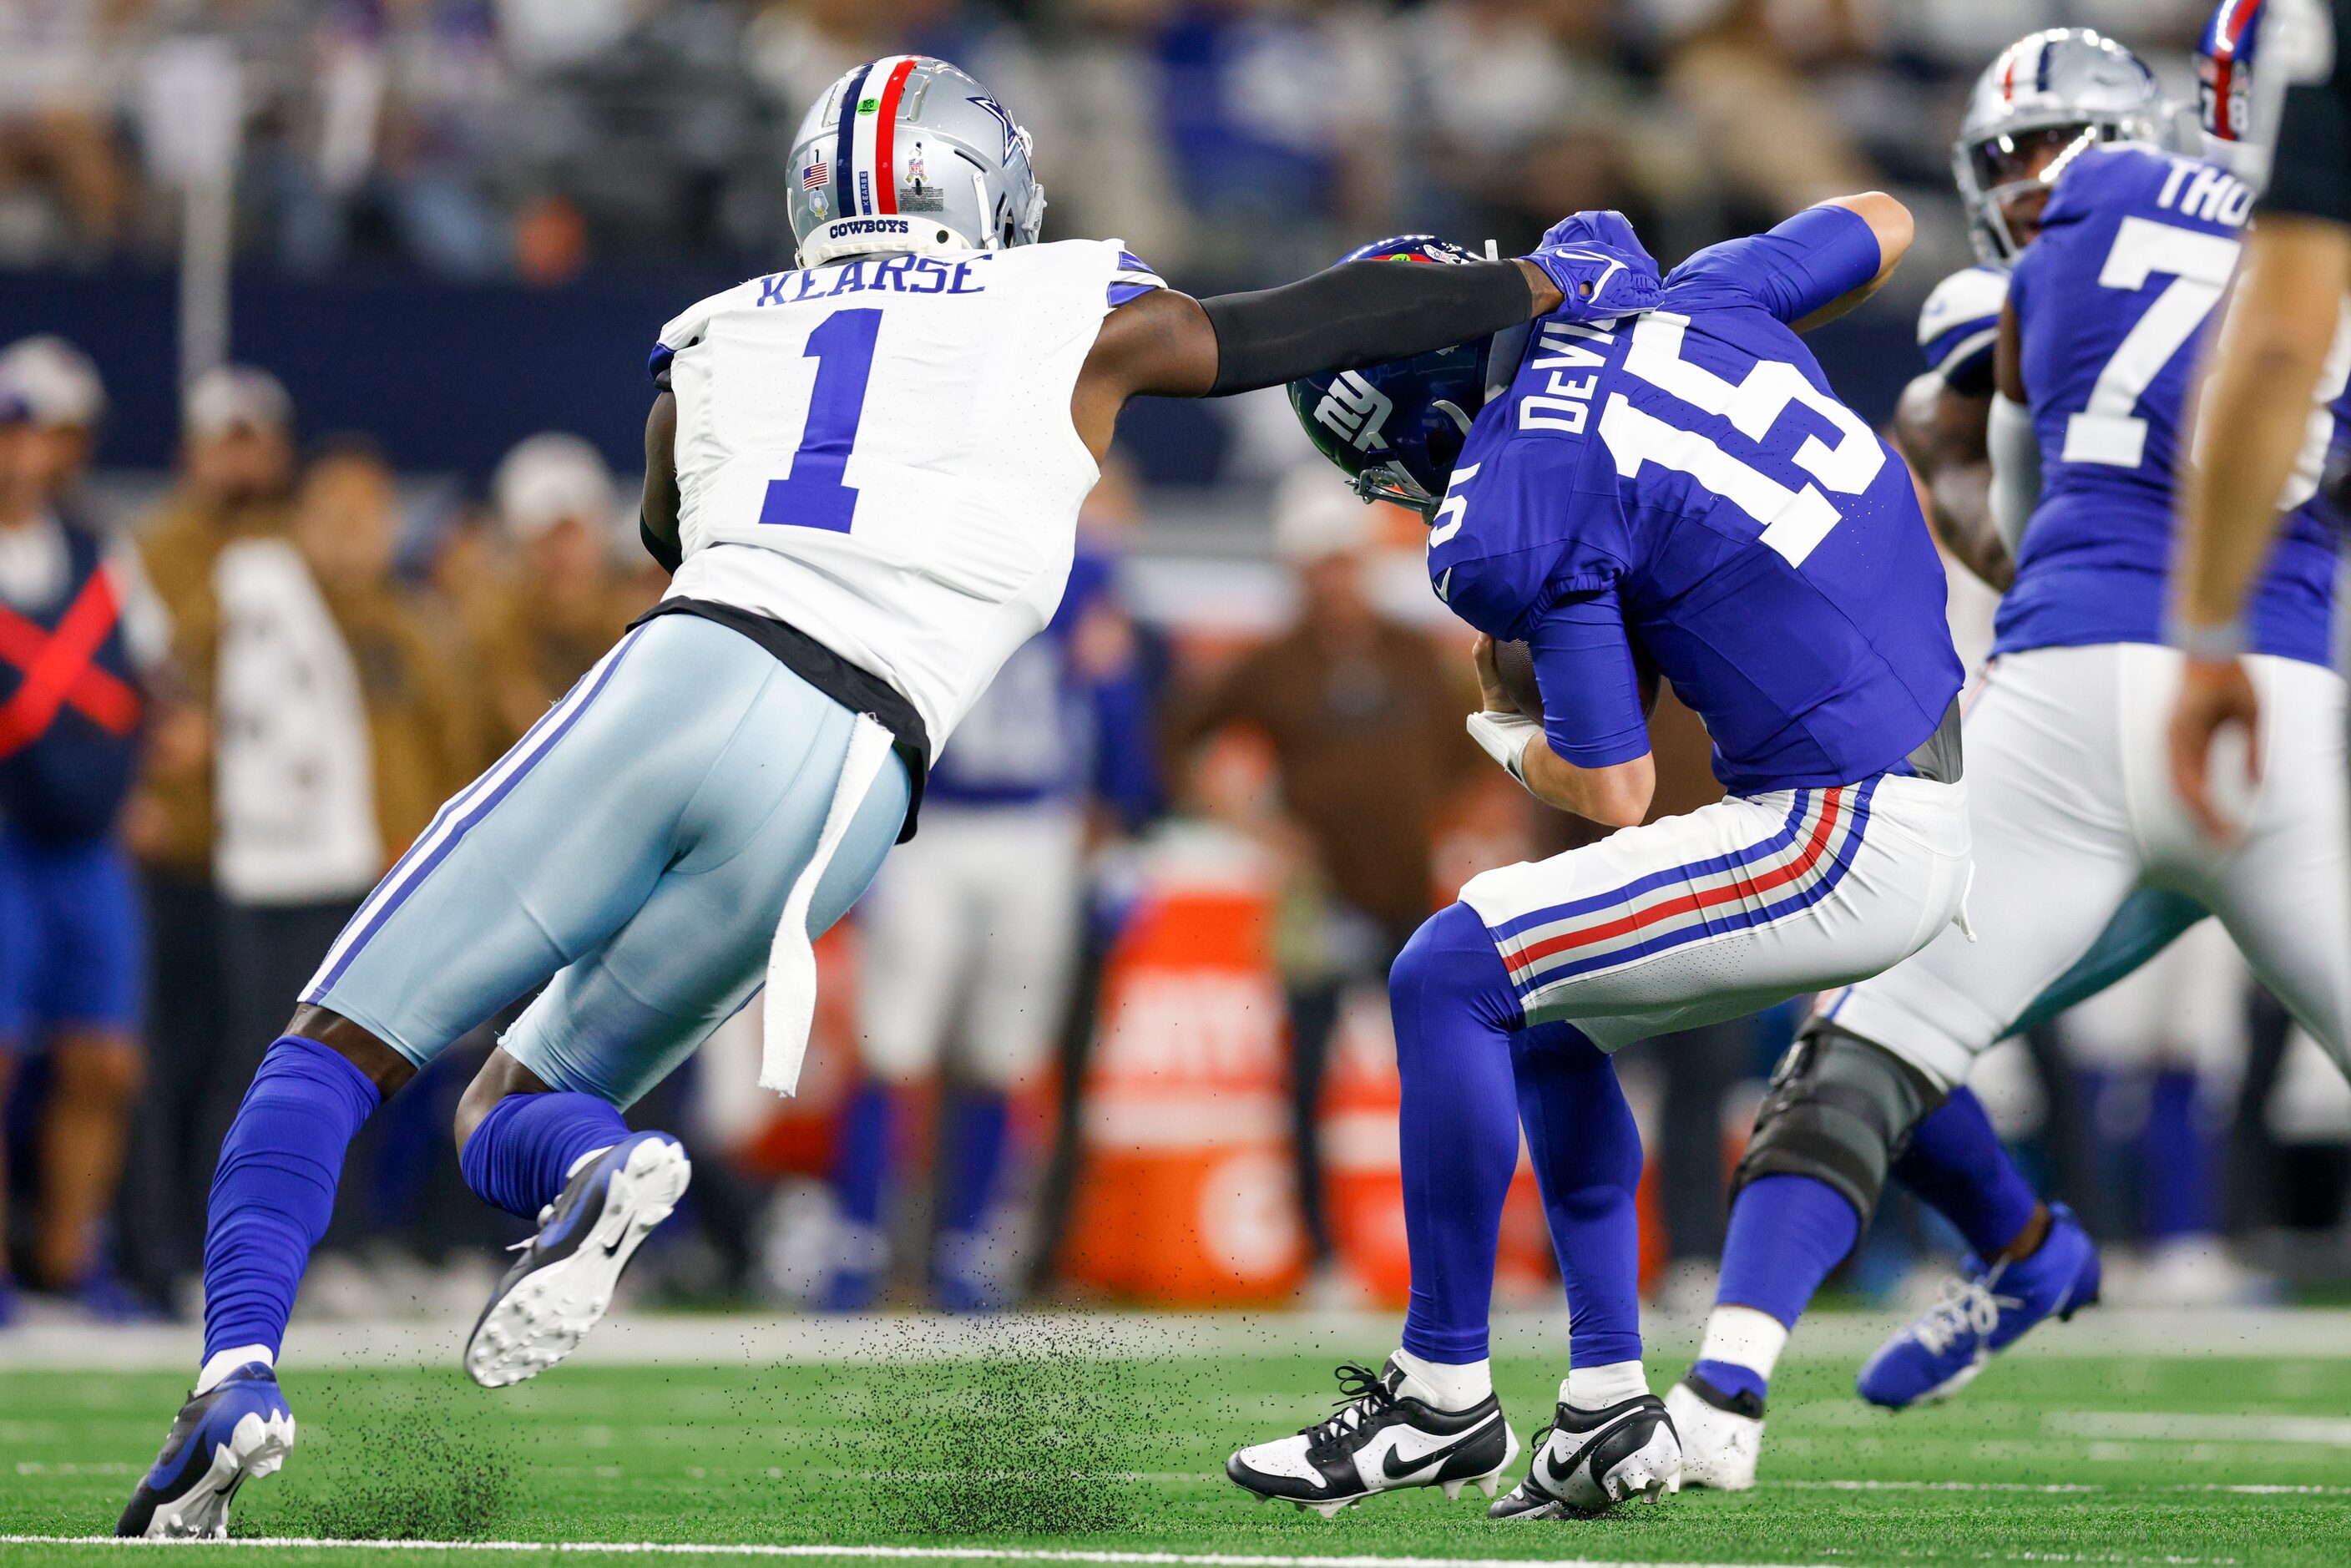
(1504, 736)
(2225, 641)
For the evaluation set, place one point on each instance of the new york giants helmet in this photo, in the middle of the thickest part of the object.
(1395, 429)
(2237, 127)
(908, 154)
(2066, 89)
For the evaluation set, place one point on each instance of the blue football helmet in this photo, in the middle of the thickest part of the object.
(1395, 429)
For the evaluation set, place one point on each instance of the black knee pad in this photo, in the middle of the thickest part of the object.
(1838, 1110)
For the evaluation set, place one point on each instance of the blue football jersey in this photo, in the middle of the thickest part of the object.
(2112, 300)
(1688, 493)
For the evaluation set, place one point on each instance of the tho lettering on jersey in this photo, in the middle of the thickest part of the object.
(2195, 189)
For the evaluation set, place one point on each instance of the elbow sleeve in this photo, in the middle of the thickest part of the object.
(2015, 469)
(1359, 313)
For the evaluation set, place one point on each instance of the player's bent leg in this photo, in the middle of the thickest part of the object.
(1429, 1417)
(609, 1027)
(1837, 1107)
(604, 1190)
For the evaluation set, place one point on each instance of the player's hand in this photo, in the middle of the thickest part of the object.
(2216, 696)
(1598, 264)
(1495, 695)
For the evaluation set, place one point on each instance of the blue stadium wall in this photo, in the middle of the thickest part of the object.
(447, 378)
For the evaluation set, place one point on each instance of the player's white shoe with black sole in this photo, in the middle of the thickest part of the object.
(1379, 1440)
(1587, 1461)
(236, 1431)
(562, 1283)
(1721, 1434)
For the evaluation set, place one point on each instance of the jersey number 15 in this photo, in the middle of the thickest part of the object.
(812, 495)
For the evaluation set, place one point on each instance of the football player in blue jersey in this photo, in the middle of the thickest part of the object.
(1679, 496)
(2088, 864)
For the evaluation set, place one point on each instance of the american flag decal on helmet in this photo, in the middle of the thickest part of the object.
(815, 176)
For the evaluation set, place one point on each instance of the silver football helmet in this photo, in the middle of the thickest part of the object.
(2060, 90)
(908, 154)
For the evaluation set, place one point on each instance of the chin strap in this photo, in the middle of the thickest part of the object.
(1504, 736)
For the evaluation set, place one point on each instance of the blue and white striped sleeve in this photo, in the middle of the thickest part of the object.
(1132, 280)
(1959, 325)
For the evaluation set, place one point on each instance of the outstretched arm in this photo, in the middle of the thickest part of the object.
(1359, 313)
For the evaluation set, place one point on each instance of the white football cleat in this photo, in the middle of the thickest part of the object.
(562, 1283)
(1721, 1434)
(1379, 1440)
(1587, 1461)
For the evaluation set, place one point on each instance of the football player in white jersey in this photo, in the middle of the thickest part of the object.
(2087, 866)
(864, 474)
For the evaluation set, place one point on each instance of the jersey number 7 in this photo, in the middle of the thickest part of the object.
(812, 495)
(2107, 431)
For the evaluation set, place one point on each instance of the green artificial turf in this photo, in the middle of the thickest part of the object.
(2094, 1460)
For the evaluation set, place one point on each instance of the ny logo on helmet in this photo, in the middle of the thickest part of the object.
(1354, 410)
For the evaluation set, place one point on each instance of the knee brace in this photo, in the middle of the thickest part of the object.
(1838, 1110)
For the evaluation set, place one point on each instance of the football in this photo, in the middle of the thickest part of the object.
(1516, 663)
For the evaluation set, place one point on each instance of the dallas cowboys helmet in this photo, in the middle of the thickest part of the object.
(1395, 429)
(2069, 88)
(908, 154)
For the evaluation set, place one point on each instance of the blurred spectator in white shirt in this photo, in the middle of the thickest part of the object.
(61, 179)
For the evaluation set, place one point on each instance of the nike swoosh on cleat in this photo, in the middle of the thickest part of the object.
(1435, 1459)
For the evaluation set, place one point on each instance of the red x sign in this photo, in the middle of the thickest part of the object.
(60, 668)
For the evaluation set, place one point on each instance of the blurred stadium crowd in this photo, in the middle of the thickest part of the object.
(1124, 986)
(1227, 141)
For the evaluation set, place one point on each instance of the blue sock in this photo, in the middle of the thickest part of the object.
(2175, 1155)
(862, 1160)
(975, 1157)
(523, 1152)
(1455, 1013)
(1787, 1232)
(1587, 1160)
(274, 1190)
(1956, 1162)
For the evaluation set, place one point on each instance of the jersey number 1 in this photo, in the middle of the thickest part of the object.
(812, 495)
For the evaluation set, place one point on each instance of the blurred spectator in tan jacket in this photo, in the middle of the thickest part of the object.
(341, 724)
(236, 465)
(561, 604)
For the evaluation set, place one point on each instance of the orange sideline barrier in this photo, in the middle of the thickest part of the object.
(1185, 1197)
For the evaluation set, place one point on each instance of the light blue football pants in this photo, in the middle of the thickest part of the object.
(633, 852)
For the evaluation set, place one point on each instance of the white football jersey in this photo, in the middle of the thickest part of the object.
(880, 452)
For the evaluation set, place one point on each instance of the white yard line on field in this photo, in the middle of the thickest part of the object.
(1004, 1554)
(2186, 1427)
(887, 1554)
(643, 1339)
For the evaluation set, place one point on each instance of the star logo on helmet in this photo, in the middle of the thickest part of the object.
(1003, 117)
